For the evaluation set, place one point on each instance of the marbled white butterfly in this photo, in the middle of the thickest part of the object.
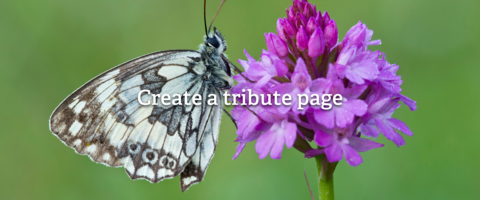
(104, 120)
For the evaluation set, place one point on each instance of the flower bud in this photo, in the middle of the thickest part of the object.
(356, 35)
(316, 44)
(300, 20)
(269, 42)
(331, 33)
(319, 19)
(302, 39)
(311, 25)
(291, 14)
(326, 18)
(308, 11)
(299, 4)
(280, 29)
(289, 29)
(295, 3)
(279, 44)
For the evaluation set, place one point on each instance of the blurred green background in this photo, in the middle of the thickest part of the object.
(49, 48)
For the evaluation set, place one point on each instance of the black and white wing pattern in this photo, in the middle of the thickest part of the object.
(104, 120)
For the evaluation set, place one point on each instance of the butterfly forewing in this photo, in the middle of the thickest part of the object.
(105, 120)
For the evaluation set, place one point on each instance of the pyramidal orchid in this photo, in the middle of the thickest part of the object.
(305, 58)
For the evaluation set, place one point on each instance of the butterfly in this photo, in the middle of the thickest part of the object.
(105, 120)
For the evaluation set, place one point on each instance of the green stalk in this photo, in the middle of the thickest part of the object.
(325, 177)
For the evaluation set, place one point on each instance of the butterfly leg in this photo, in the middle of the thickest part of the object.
(233, 120)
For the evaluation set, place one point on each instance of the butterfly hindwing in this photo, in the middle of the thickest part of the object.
(195, 170)
(104, 119)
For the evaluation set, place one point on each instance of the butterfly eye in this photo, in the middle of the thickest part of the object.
(213, 42)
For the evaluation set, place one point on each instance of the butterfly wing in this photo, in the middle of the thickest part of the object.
(196, 169)
(104, 119)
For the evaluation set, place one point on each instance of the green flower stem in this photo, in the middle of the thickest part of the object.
(325, 177)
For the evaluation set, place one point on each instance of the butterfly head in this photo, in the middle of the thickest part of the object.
(215, 41)
(217, 64)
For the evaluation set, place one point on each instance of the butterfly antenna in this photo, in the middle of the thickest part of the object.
(205, 16)
(221, 4)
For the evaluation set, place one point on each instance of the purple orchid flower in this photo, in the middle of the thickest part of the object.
(388, 77)
(356, 65)
(342, 115)
(359, 36)
(263, 71)
(305, 57)
(301, 85)
(278, 132)
(380, 115)
(340, 141)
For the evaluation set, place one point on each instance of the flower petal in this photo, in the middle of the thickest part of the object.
(336, 88)
(244, 64)
(334, 152)
(332, 73)
(379, 104)
(395, 123)
(361, 71)
(300, 77)
(289, 132)
(355, 91)
(357, 107)
(353, 158)
(319, 85)
(283, 88)
(325, 117)
(369, 130)
(281, 67)
(277, 148)
(322, 139)
(390, 133)
(246, 121)
(249, 57)
(256, 71)
(263, 81)
(345, 55)
(362, 144)
(407, 101)
(343, 117)
(264, 144)
(239, 149)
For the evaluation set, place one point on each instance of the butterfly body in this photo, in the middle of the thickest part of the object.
(104, 119)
